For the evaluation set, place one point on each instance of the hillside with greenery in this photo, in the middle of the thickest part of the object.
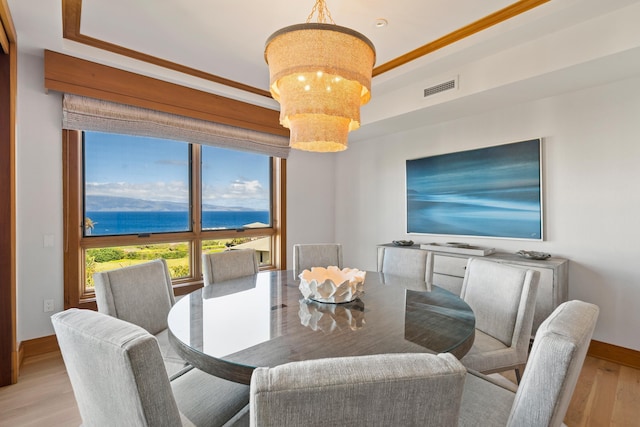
(176, 255)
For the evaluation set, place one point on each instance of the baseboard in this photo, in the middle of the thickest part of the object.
(613, 353)
(37, 346)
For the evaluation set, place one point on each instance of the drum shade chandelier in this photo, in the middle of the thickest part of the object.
(320, 73)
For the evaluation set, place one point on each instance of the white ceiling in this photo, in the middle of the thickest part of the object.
(226, 38)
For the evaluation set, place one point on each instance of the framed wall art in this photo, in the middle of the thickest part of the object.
(486, 192)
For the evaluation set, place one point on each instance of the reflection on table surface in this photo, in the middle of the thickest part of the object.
(227, 329)
(328, 317)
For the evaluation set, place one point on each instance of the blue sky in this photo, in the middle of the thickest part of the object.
(157, 169)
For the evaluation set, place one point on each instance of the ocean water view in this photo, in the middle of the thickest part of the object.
(106, 223)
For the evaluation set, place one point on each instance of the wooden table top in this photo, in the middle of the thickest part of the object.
(230, 328)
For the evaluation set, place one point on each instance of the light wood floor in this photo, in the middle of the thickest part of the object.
(607, 394)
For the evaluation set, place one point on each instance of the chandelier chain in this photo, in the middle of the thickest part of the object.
(323, 13)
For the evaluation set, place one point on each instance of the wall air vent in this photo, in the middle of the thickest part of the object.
(448, 85)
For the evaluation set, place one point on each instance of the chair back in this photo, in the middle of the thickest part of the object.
(227, 265)
(503, 299)
(411, 264)
(379, 390)
(554, 365)
(141, 294)
(116, 371)
(306, 256)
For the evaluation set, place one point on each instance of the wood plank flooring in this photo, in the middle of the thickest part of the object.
(607, 394)
(41, 397)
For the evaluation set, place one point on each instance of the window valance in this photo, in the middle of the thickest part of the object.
(84, 113)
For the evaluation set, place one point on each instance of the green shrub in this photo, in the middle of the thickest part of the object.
(106, 254)
(179, 271)
(173, 254)
(89, 269)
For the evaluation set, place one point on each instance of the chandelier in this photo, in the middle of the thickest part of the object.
(320, 73)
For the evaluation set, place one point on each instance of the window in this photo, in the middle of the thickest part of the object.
(236, 189)
(140, 198)
(135, 185)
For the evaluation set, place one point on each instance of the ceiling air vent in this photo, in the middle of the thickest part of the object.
(448, 85)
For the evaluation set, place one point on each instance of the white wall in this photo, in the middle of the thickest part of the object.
(591, 192)
(310, 199)
(38, 200)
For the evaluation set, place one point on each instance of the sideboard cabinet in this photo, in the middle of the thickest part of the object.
(449, 270)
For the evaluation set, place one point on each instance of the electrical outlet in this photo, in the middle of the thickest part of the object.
(48, 305)
(47, 241)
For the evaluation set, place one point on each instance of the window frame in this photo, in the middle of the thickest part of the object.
(75, 243)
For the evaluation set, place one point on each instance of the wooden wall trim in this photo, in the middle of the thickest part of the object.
(613, 353)
(13, 83)
(4, 38)
(72, 216)
(7, 29)
(38, 346)
(488, 21)
(71, 17)
(282, 206)
(7, 299)
(64, 73)
(600, 350)
(8, 95)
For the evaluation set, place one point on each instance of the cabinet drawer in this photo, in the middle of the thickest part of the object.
(449, 265)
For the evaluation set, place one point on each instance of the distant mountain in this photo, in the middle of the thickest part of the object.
(129, 204)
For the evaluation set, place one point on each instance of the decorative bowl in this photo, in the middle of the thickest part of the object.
(533, 255)
(402, 242)
(332, 285)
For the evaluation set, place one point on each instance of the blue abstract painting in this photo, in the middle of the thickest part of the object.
(492, 192)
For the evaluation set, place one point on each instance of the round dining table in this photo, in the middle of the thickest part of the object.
(228, 329)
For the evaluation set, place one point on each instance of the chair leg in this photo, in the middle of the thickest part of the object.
(519, 370)
(181, 372)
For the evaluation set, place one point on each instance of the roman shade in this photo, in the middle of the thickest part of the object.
(89, 114)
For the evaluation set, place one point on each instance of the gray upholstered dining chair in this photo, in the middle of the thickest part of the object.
(544, 394)
(141, 294)
(411, 264)
(117, 376)
(380, 390)
(306, 256)
(503, 299)
(227, 265)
